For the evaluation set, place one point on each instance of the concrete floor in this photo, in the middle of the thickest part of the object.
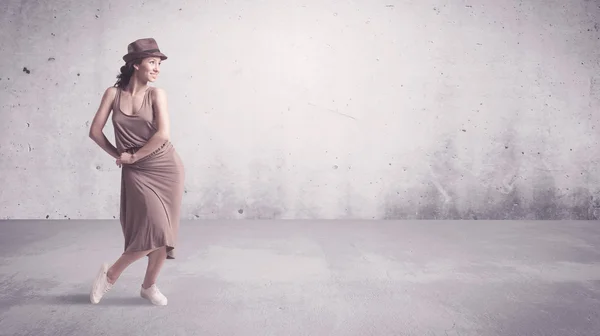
(317, 278)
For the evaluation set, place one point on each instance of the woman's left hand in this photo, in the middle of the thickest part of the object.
(126, 158)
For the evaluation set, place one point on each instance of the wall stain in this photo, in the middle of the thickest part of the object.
(501, 193)
(578, 205)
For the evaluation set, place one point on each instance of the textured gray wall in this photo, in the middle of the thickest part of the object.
(315, 109)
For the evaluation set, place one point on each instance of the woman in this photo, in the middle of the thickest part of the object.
(152, 174)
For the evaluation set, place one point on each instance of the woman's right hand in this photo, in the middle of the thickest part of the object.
(119, 164)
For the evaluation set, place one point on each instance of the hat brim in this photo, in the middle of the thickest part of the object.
(136, 55)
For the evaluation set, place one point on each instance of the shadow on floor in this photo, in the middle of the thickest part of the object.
(84, 299)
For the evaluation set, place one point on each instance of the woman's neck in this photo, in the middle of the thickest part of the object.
(135, 86)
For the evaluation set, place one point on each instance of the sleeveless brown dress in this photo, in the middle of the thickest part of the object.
(151, 188)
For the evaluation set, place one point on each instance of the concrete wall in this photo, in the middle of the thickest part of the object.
(315, 109)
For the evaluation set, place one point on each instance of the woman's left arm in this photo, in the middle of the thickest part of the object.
(159, 101)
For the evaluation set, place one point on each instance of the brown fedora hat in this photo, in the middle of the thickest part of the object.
(146, 47)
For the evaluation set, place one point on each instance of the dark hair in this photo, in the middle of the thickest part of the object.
(126, 73)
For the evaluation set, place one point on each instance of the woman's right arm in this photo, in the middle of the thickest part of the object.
(99, 122)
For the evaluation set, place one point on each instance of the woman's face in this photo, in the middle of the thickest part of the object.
(149, 69)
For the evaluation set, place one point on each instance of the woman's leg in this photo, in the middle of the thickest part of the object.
(107, 276)
(126, 259)
(156, 260)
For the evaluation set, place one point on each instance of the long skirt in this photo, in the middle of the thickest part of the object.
(151, 194)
